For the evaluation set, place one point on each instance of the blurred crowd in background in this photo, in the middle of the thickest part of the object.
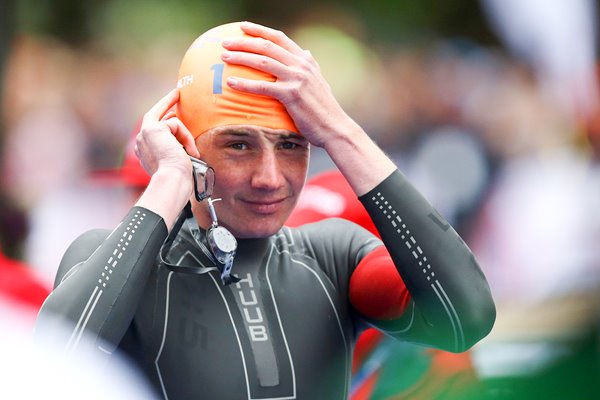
(490, 107)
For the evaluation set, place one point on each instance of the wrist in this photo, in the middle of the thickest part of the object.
(346, 136)
(170, 188)
(174, 167)
(359, 159)
(174, 177)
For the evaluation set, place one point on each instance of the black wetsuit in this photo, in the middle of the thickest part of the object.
(287, 329)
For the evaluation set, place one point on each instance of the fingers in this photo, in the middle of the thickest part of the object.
(260, 46)
(157, 111)
(266, 88)
(164, 112)
(160, 122)
(272, 44)
(273, 35)
(183, 136)
(260, 62)
(272, 52)
(169, 114)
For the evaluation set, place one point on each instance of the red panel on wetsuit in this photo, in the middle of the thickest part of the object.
(376, 289)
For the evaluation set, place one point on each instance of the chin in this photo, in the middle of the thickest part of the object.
(255, 233)
(255, 230)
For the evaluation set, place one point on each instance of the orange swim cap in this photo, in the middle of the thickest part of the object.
(206, 101)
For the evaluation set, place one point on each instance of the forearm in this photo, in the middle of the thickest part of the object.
(99, 299)
(359, 159)
(440, 272)
(167, 193)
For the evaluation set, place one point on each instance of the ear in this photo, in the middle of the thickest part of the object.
(204, 143)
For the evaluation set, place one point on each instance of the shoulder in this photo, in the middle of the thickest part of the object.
(333, 246)
(335, 234)
(336, 228)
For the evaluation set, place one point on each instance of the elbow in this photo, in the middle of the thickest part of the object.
(461, 333)
(472, 324)
(478, 325)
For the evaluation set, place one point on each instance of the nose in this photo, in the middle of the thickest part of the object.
(268, 173)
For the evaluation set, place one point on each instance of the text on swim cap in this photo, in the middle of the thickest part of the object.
(185, 80)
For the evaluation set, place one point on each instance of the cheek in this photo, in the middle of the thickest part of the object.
(298, 181)
(228, 174)
(228, 179)
(300, 170)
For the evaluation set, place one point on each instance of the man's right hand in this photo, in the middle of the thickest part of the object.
(163, 146)
(161, 137)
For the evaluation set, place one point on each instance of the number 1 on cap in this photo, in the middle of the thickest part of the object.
(217, 78)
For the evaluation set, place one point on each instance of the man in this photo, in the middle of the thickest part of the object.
(250, 101)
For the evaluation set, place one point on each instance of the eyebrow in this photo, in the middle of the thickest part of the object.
(294, 136)
(234, 133)
(282, 136)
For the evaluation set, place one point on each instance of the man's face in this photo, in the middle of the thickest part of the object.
(259, 175)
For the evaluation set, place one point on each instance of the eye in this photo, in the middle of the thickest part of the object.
(289, 145)
(238, 146)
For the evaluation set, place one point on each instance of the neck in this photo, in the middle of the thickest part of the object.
(202, 217)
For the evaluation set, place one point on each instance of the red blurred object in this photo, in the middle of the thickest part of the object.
(329, 195)
(20, 287)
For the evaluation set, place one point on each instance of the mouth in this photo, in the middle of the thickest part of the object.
(266, 206)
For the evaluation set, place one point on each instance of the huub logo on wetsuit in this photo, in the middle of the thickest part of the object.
(253, 314)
